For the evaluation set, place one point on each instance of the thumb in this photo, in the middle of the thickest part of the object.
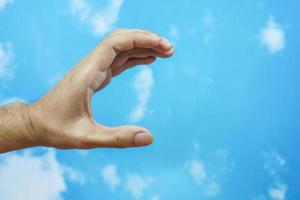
(125, 136)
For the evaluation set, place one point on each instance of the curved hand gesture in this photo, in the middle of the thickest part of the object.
(63, 117)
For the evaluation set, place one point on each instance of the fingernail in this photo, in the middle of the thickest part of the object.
(166, 42)
(142, 139)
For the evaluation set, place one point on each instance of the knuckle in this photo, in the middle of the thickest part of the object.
(111, 41)
(120, 142)
(107, 42)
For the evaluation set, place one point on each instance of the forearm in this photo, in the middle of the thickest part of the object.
(16, 127)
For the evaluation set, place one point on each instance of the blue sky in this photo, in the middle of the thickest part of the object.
(224, 109)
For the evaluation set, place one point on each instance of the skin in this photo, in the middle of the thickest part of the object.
(63, 117)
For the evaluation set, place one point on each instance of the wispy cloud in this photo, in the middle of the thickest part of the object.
(213, 189)
(134, 183)
(74, 175)
(137, 184)
(7, 71)
(4, 3)
(278, 192)
(174, 34)
(274, 165)
(100, 20)
(272, 36)
(81, 9)
(154, 197)
(6, 61)
(209, 178)
(142, 84)
(208, 22)
(200, 175)
(197, 171)
(110, 176)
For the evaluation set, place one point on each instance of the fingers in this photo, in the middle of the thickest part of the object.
(127, 136)
(135, 57)
(133, 62)
(138, 53)
(122, 49)
(117, 137)
(123, 40)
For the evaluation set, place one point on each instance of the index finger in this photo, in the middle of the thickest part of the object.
(129, 39)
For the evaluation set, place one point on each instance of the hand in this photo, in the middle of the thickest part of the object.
(63, 117)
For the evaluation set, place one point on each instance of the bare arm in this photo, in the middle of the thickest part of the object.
(63, 117)
(16, 127)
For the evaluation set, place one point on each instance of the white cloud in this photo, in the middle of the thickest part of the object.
(224, 163)
(100, 20)
(212, 189)
(137, 184)
(103, 21)
(174, 33)
(278, 192)
(196, 146)
(273, 37)
(110, 176)
(81, 9)
(6, 61)
(207, 28)
(143, 84)
(207, 38)
(275, 165)
(4, 3)
(209, 174)
(197, 171)
(206, 182)
(74, 175)
(208, 20)
(36, 177)
(154, 197)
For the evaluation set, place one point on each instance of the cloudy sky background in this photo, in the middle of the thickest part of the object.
(224, 110)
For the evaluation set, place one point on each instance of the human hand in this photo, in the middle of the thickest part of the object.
(63, 117)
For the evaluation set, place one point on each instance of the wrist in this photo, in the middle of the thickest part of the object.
(28, 124)
(17, 128)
